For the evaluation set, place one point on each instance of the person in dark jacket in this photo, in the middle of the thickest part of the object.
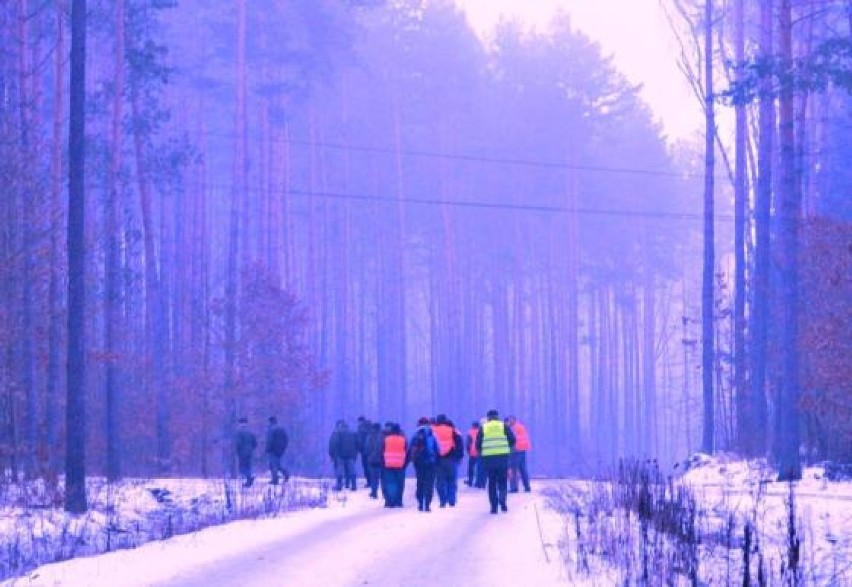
(456, 455)
(494, 443)
(343, 450)
(276, 445)
(374, 445)
(363, 430)
(244, 444)
(423, 454)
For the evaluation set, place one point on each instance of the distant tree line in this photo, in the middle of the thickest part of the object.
(319, 209)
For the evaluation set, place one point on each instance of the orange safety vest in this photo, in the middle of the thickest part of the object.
(522, 439)
(394, 451)
(473, 432)
(444, 435)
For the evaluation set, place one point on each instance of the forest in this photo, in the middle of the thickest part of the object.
(321, 209)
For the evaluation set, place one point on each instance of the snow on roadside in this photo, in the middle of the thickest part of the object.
(352, 541)
(746, 491)
(35, 531)
(588, 543)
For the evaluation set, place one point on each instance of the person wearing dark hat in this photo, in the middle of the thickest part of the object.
(494, 443)
(343, 450)
(474, 473)
(374, 445)
(244, 444)
(395, 458)
(443, 433)
(276, 445)
(363, 431)
(456, 455)
(423, 454)
(518, 458)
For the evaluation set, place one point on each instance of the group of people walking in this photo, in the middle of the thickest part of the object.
(274, 448)
(496, 451)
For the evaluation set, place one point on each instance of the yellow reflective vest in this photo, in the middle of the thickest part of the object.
(494, 439)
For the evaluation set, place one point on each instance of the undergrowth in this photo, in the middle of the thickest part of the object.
(645, 528)
(34, 530)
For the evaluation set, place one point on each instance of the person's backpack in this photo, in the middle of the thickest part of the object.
(457, 452)
(424, 448)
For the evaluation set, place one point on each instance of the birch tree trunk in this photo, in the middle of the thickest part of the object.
(707, 298)
(743, 403)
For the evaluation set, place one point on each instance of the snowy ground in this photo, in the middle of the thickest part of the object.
(724, 496)
(352, 540)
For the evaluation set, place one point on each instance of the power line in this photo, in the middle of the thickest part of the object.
(471, 158)
(549, 209)
(474, 158)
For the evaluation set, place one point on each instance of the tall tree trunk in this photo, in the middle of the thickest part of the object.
(113, 305)
(75, 427)
(763, 205)
(787, 443)
(609, 314)
(630, 445)
(231, 272)
(649, 363)
(26, 79)
(154, 347)
(54, 344)
(740, 203)
(572, 323)
(707, 297)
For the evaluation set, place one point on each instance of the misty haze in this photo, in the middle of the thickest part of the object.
(247, 245)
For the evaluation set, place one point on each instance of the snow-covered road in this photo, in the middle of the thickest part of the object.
(355, 541)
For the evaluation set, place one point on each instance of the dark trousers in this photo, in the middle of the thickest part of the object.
(366, 467)
(495, 471)
(394, 483)
(425, 486)
(276, 467)
(445, 481)
(375, 477)
(480, 474)
(244, 464)
(472, 463)
(344, 470)
(518, 464)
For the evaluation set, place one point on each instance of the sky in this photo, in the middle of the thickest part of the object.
(637, 35)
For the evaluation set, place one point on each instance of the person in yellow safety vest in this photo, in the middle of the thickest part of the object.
(494, 444)
(518, 457)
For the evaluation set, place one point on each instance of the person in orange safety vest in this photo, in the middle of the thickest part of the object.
(475, 477)
(442, 429)
(393, 471)
(518, 458)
